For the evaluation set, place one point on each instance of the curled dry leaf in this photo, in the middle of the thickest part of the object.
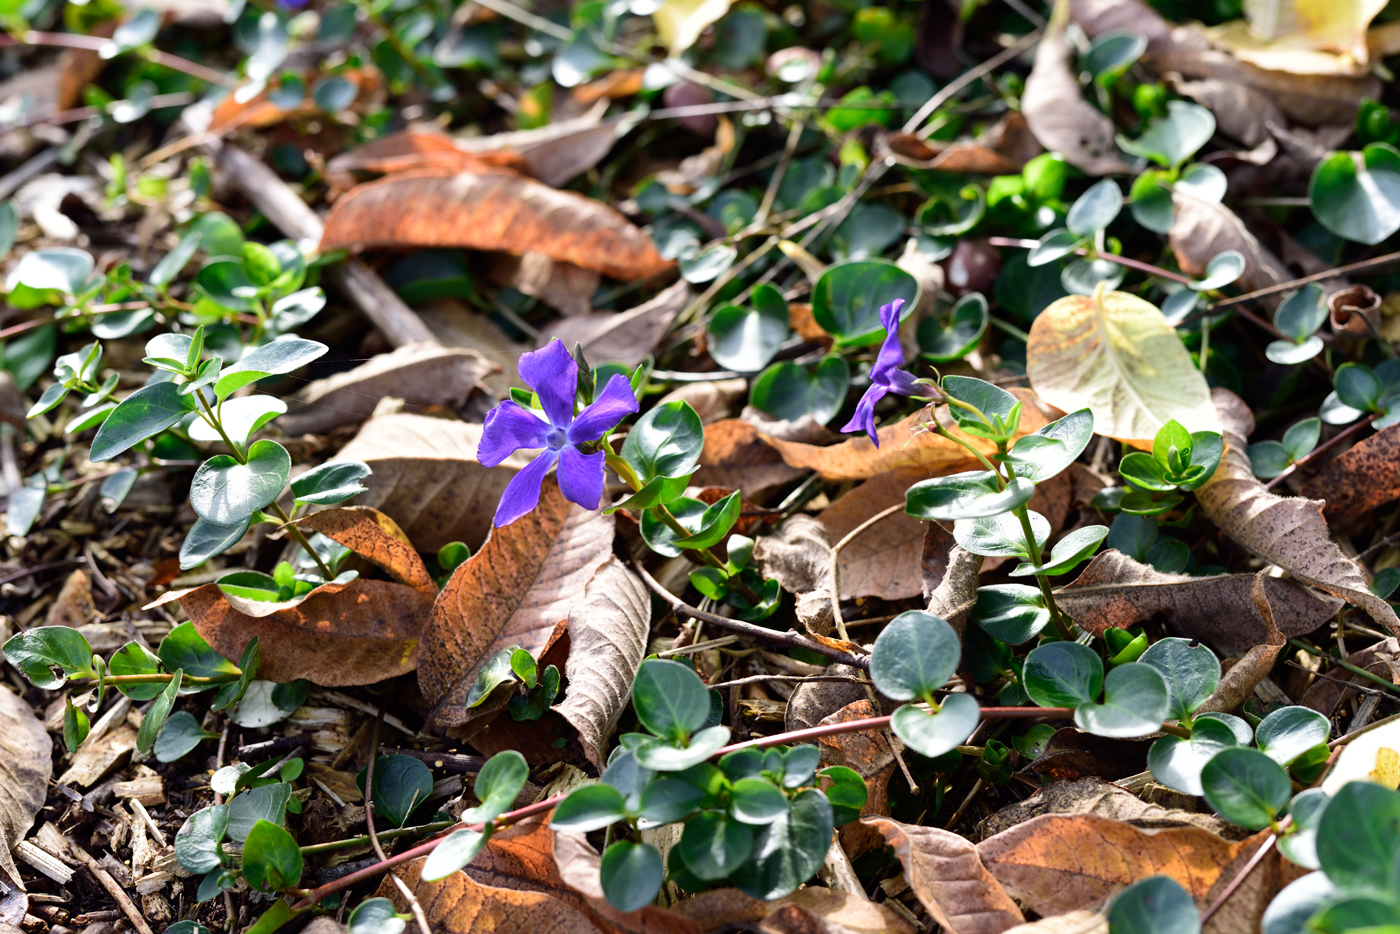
(625, 337)
(1355, 311)
(420, 374)
(1287, 531)
(1057, 113)
(1204, 229)
(869, 753)
(490, 212)
(517, 590)
(417, 148)
(946, 873)
(375, 537)
(798, 556)
(1117, 591)
(566, 288)
(737, 457)
(905, 446)
(1003, 149)
(1115, 354)
(1240, 680)
(607, 640)
(427, 478)
(950, 577)
(813, 909)
(1092, 795)
(1361, 480)
(884, 560)
(26, 765)
(358, 632)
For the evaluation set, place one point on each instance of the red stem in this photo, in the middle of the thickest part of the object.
(1329, 443)
(93, 43)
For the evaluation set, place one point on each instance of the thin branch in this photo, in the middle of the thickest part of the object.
(963, 80)
(413, 906)
(1243, 874)
(835, 569)
(1362, 266)
(93, 43)
(1328, 444)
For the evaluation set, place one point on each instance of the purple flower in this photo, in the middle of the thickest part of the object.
(510, 427)
(885, 375)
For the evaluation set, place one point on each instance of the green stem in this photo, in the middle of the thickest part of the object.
(1339, 662)
(1023, 514)
(215, 423)
(943, 432)
(297, 534)
(159, 678)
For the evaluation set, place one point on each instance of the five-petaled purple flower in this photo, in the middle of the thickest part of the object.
(510, 427)
(885, 375)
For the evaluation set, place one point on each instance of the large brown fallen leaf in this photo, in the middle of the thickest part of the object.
(947, 875)
(1003, 148)
(416, 148)
(375, 537)
(812, 910)
(490, 212)
(1075, 922)
(904, 446)
(1205, 229)
(26, 765)
(608, 632)
(625, 337)
(1361, 480)
(883, 560)
(736, 457)
(869, 753)
(798, 556)
(1115, 590)
(1057, 113)
(1115, 354)
(427, 478)
(516, 590)
(1095, 796)
(1287, 531)
(419, 374)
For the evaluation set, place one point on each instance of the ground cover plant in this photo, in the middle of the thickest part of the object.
(699, 466)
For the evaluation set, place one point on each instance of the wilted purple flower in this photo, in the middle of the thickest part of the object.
(885, 375)
(510, 427)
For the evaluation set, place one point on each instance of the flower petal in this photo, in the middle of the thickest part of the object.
(522, 494)
(553, 375)
(864, 419)
(581, 476)
(902, 382)
(890, 358)
(889, 315)
(612, 405)
(508, 428)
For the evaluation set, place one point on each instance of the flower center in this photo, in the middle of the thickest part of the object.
(556, 438)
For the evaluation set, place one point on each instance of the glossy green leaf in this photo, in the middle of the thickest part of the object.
(1056, 244)
(1300, 844)
(1221, 270)
(1076, 547)
(714, 844)
(1135, 701)
(1288, 732)
(669, 800)
(631, 875)
(401, 785)
(1176, 137)
(745, 339)
(589, 808)
(135, 659)
(156, 713)
(670, 699)
(1357, 195)
(266, 802)
(1302, 313)
(999, 536)
(455, 852)
(197, 842)
(146, 412)
(846, 299)
(1050, 450)
(1011, 613)
(1245, 787)
(1357, 386)
(226, 492)
(498, 784)
(971, 495)
(206, 539)
(378, 915)
(63, 269)
(933, 733)
(75, 726)
(332, 482)
(1191, 670)
(281, 356)
(789, 851)
(1063, 674)
(271, 860)
(240, 418)
(662, 756)
(954, 333)
(847, 793)
(914, 655)
(1155, 905)
(184, 648)
(179, 737)
(1095, 209)
(1177, 763)
(1358, 838)
(49, 655)
(788, 391)
(756, 801)
(665, 442)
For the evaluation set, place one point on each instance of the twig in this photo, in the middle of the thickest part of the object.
(93, 43)
(413, 906)
(1325, 446)
(107, 882)
(1244, 872)
(526, 18)
(699, 647)
(9, 464)
(1361, 266)
(1343, 663)
(957, 815)
(761, 679)
(835, 569)
(1343, 740)
(680, 607)
(35, 166)
(966, 78)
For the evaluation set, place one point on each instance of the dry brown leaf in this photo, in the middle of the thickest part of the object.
(1057, 113)
(712, 400)
(26, 765)
(1117, 591)
(1075, 922)
(625, 337)
(358, 632)
(1240, 679)
(1324, 695)
(950, 577)
(1287, 531)
(1361, 480)
(1092, 795)
(260, 111)
(884, 560)
(869, 753)
(566, 288)
(1002, 149)
(420, 374)
(811, 702)
(375, 537)
(1203, 230)
(456, 324)
(904, 446)
(835, 912)
(607, 639)
(946, 873)
(461, 905)
(798, 556)
(427, 478)
(491, 212)
(515, 591)
(73, 607)
(1072, 754)
(735, 456)
(416, 148)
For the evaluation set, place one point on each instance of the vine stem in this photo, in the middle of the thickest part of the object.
(1327, 445)
(407, 893)
(1244, 872)
(93, 43)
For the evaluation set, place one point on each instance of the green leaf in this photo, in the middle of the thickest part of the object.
(1112, 53)
(240, 418)
(789, 851)
(171, 264)
(847, 793)
(377, 915)
(743, 339)
(665, 442)
(494, 673)
(179, 737)
(1049, 451)
(1177, 763)
(1191, 670)
(266, 802)
(1144, 471)
(999, 536)
(1245, 787)
(455, 852)
(708, 263)
(670, 699)
(39, 651)
(1267, 459)
(1302, 313)
(589, 808)
(1011, 613)
(498, 784)
(75, 725)
(49, 401)
(184, 648)
(1300, 844)
(933, 733)
(1095, 209)
(952, 335)
(135, 659)
(1175, 138)
(1134, 703)
(756, 801)
(799, 765)
(61, 268)
(631, 875)
(333, 482)
(25, 505)
(1358, 838)
(1152, 201)
(1056, 244)
(1155, 905)
(1357, 386)
(271, 920)
(226, 492)
(1075, 547)
(1063, 674)
(1357, 195)
(714, 844)
(1223, 269)
(281, 356)
(197, 843)
(788, 391)
(914, 655)
(971, 495)
(998, 411)
(1301, 437)
(1358, 915)
(333, 93)
(662, 756)
(1288, 732)
(661, 491)
(271, 860)
(233, 692)
(206, 539)
(146, 412)
(846, 299)
(155, 716)
(401, 785)
(669, 800)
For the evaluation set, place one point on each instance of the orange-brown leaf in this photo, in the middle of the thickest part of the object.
(376, 538)
(491, 212)
(461, 905)
(1363, 479)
